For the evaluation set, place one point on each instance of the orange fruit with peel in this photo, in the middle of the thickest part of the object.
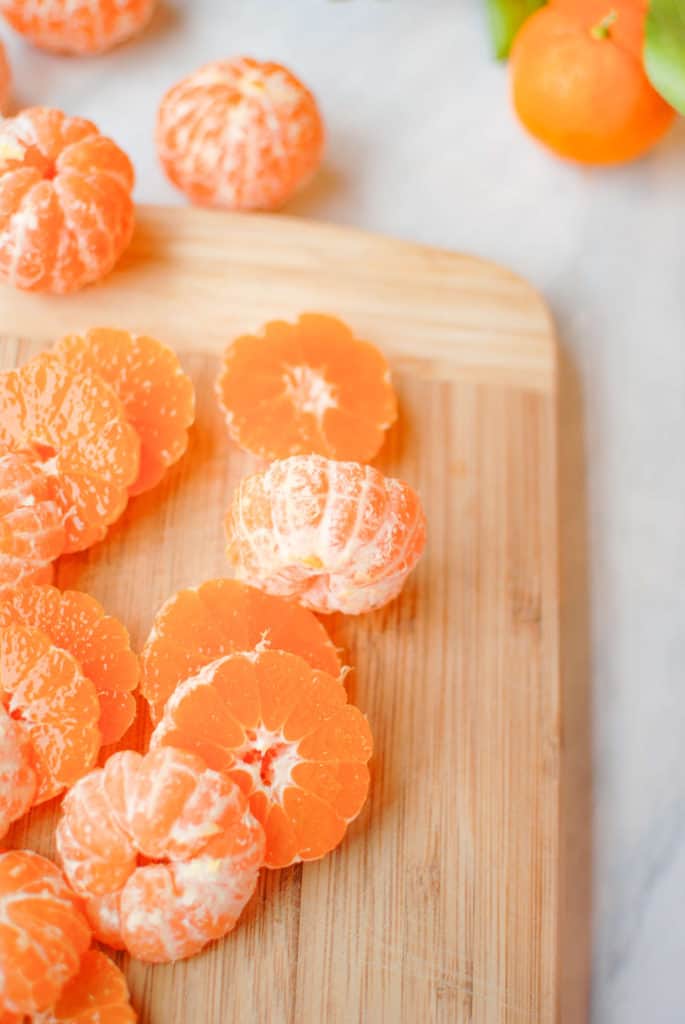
(43, 933)
(239, 134)
(579, 85)
(78, 624)
(89, 451)
(286, 734)
(158, 397)
(198, 625)
(164, 850)
(335, 536)
(77, 26)
(307, 387)
(66, 212)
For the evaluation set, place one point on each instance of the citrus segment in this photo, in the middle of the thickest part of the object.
(221, 616)
(287, 735)
(157, 395)
(66, 212)
(43, 933)
(18, 780)
(97, 994)
(239, 134)
(43, 687)
(78, 623)
(336, 536)
(104, 917)
(90, 452)
(174, 858)
(32, 533)
(307, 387)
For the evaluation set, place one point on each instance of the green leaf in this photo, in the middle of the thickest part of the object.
(665, 50)
(506, 18)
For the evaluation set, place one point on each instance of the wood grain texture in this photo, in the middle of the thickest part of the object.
(441, 904)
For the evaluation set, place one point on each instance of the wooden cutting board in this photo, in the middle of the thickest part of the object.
(441, 904)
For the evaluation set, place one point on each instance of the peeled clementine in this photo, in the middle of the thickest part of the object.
(579, 85)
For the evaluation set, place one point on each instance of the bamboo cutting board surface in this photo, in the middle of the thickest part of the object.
(441, 904)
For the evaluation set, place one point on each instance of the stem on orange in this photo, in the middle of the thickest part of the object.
(602, 30)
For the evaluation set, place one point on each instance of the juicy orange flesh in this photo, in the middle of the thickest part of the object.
(307, 387)
(285, 732)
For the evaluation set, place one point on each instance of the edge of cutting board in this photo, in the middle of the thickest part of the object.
(477, 317)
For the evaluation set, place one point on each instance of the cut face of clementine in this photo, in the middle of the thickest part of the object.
(78, 624)
(18, 780)
(89, 451)
(285, 732)
(199, 625)
(158, 397)
(32, 533)
(307, 387)
(43, 687)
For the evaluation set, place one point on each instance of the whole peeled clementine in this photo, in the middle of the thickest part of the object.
(579, 85)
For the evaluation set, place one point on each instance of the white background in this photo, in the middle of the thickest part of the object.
(422, 145)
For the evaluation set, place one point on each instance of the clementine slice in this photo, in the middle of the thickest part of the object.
(90, 452)
(97, 994)
(43, 687)
(101, 645)
(66, 212)
(43, 933)
(164, 849)
(158, 397)
(18, 781)
(285, 732)
(239, 134)
(336, 536)
(307, 387)
(198, 625)
(32, 533)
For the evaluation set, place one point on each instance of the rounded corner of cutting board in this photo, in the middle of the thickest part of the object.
(197, 278)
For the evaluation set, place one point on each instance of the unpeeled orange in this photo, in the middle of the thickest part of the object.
(578, 81)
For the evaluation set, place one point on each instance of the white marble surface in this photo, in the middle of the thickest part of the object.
(422, 145)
